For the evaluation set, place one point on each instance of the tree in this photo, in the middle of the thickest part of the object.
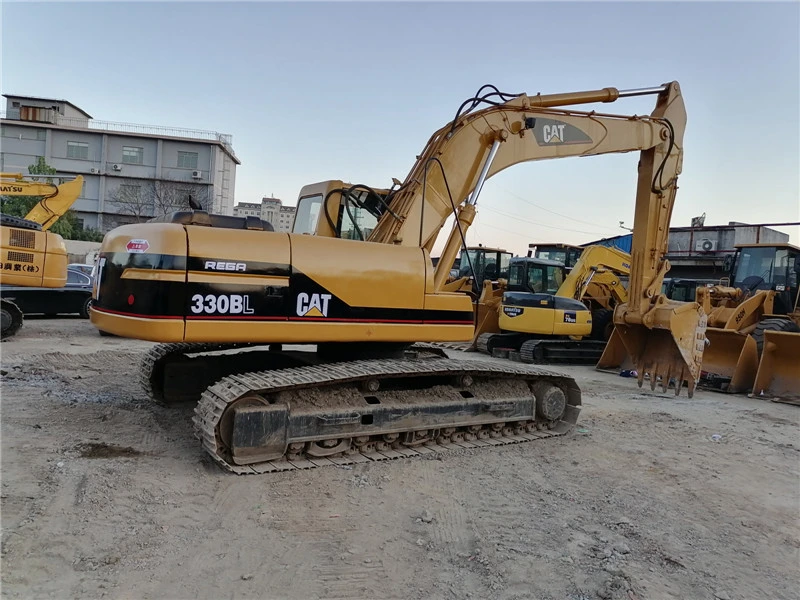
(142, 200)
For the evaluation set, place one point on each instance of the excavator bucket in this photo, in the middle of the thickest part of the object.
(615, 355)
(778, 373)
(669, 347)
(731, 357)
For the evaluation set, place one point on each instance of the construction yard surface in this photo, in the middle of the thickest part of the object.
(105, 495)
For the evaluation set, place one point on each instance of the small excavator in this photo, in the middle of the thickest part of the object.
(30, 255)
(228, 299)
(548, 315)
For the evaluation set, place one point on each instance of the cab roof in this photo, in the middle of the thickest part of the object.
(769, 245)
(538, 261)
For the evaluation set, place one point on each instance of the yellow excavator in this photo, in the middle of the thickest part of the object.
(30, 255)
(355, 286)
(549, 315)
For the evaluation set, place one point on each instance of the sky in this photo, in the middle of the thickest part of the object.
(352, 91)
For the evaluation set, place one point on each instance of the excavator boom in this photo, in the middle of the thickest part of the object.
(56, 198)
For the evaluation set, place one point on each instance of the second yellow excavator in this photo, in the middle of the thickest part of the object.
(547, 315)
(355, 286)
(30, 255)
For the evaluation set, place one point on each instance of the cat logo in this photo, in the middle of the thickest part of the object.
(554, 134)
(312, 305)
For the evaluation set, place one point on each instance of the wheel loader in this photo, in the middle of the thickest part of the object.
(309, 348)
(753, 332)
(30, 255)
(754, 324)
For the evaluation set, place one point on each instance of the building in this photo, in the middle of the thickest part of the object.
(699, 252)
(269, 209)
(131, 172)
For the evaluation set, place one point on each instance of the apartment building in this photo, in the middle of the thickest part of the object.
(270, 209)
(131, 172)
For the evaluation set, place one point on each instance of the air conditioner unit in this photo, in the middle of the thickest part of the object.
(117, 167)
(705, 245)
(197, 174)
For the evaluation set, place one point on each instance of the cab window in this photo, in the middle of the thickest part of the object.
(307, 214)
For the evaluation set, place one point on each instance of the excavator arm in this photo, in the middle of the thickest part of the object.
(56, 199)
(665, 339)
(600, 266)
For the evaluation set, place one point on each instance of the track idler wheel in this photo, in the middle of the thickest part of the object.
(551, 401)
(11, 317)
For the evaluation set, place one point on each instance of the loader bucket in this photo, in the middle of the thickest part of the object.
(487, 315)
(486, 319)
(615, 355)
(668, 345)
(778, 373)
(731, 355)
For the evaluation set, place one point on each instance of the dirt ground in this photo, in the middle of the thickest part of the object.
(107, 496)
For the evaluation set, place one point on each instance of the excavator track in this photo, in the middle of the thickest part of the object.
(583, 352)
(366, 410)
(541, 351)
(155, 362)
(11, 318)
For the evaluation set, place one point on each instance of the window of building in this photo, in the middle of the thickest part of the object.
(78, 150)
(130, 192)
(132, 155)
(41, 134)
(187, 160)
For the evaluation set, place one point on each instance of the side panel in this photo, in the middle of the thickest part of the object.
(545, 321)
(32, 258)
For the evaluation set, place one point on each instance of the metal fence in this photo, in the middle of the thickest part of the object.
(155, 130)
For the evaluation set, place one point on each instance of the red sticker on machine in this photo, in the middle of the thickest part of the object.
(137, 246)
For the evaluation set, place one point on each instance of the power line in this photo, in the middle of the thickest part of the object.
(518, 218)
(546, 209)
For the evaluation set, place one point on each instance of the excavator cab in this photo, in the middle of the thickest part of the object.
(338, 209)
(563, 253)
(483, 264)
(537, 276)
